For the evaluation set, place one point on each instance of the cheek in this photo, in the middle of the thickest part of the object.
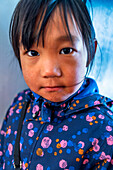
(28, 74)
(30, 77)
(75, 71)
(28, 68)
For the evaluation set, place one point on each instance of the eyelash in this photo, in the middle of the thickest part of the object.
(32, 51)
(68, 52)
(64, 51)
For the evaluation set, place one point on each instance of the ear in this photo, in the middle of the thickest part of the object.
(95, 46)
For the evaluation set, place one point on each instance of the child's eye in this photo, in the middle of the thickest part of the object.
(32, 53)
(67, 51)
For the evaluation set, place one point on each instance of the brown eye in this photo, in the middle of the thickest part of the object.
(66, 51)
(32, 53)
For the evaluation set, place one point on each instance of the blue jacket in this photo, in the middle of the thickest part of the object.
(71, 135)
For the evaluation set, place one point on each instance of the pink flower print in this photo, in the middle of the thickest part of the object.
(20, 146)
(23, 166)
(2, 132)
(85, 161)
(9, 131)
(62, 164)
(63, 143)
(49, 119)
(98, 108)
(101, 116)
(88, 118)
(96, 102)
(112, 161)
(78, 91)
(27, 92)
(65, 128)
(30, 126)
(10, 148)
(1, 153)
(15, 132)
(95, 141)
(35, 109)
(63, 105)
(74, 116)
(44, 106)
(110, 113)
(11, 111)
(108, 128)
(59, 113)
(46, 141)
(39, 167)
(50, 127)
(110, 140)
(108, 157)
(103, 156)
(3, 165)
(82, 143)
(31, 133)
(96, 148)
(20, 98)
(18, 111)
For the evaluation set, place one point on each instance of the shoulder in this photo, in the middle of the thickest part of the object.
(21, 96)
(17, 104)
(93, 101)
(14, 110)
(95, 110)
(104, 107)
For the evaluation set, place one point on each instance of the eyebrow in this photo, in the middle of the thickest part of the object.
(67, 38)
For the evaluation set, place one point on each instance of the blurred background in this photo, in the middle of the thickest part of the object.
(11, 79)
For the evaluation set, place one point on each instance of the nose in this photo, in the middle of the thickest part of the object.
(50, 68)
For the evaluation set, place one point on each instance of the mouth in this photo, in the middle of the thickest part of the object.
(53, 88)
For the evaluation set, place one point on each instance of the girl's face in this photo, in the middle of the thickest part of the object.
(57, 70)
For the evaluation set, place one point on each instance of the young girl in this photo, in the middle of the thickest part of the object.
(61, 121)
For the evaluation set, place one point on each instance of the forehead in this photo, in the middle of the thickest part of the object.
(58, 27)
(61, 22)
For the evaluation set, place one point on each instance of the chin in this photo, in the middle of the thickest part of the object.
(56, 98)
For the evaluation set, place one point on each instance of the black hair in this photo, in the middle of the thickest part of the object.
(24, 20)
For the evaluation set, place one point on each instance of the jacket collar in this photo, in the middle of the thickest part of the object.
(87, 96)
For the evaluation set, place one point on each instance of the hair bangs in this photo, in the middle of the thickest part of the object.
(64, 9)
(34, 23)
(32, 31)
(28, 26)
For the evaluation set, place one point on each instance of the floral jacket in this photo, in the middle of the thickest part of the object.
(76, 134)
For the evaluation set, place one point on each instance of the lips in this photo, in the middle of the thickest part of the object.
(53, 88)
